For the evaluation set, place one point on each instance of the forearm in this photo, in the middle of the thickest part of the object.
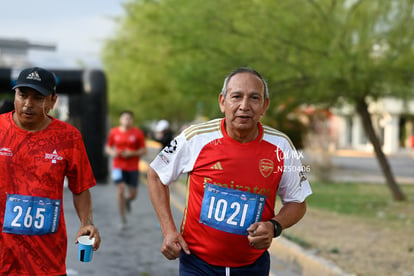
(110, 151)
(83, 206)
(290, 214)
(141, 151)
(160, 198)
(134, 153)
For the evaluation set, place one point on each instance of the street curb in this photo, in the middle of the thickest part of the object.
(310, 264)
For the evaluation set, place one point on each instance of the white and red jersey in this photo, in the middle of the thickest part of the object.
(131, 139)
(34, 164)
(268, 165)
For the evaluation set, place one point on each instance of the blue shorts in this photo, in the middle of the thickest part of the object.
(128, 177)
(191, 265)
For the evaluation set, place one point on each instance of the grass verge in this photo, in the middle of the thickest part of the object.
(366, 201)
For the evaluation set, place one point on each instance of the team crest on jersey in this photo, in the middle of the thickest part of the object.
(266, 167)
(6, 152)
(53, 156)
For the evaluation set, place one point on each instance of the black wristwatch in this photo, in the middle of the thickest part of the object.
(277, 228)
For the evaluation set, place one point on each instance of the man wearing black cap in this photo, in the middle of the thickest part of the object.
(37, 152)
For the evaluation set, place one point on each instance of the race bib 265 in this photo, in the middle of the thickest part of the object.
(29, 215)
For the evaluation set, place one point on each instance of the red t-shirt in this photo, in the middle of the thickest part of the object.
(35, 164)
(132, 139)
(266, 166)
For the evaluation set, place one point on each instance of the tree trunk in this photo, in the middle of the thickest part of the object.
(362, 109)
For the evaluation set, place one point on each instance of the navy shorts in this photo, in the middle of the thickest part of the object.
(128, 177)
(191, 265)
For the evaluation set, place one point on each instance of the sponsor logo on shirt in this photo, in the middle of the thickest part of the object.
(6, 152)
(217, 166)
(172, 147)
(53, 156)
(164, 158)
(302, 176)
(233, 185)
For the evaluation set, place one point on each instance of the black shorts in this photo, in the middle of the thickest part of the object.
(129, 177)
(191, 265)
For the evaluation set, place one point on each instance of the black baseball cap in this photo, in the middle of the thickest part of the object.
(41, 80)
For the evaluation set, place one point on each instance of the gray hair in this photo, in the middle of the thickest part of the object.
(244, 70)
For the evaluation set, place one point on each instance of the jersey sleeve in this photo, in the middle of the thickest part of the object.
(173, 160)
(294, 185)
(80, 174)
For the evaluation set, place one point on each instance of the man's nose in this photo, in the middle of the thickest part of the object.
(28, 101)
(244, 104)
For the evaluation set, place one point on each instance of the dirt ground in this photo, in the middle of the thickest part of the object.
(358, 247)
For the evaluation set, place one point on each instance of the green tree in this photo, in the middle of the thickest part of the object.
(169, 57)
(353, 52)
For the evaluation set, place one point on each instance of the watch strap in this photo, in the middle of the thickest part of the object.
(277, 228)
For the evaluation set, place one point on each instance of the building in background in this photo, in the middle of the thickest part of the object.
(393, 120)
(14, 52)
(14, 55)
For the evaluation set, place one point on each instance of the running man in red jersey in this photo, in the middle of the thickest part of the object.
(126, 144)
(236, 167)
(37, 152)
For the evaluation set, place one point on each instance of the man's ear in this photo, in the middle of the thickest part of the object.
(221, 102)
(53, 101)
(266, 105)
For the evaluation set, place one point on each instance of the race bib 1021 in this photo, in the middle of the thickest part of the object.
(230, 210)
(29, 215)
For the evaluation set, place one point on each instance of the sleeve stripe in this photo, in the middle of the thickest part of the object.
(201, 128)
(271, 131)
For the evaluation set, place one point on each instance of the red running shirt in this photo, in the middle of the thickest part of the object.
(35, 164)
(268, 165)
(132, 139)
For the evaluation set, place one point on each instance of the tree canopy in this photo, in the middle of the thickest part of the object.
(169, 57)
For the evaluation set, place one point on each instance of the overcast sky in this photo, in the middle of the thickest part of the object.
(77, 28)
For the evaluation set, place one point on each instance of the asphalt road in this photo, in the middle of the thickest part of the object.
(355, 166)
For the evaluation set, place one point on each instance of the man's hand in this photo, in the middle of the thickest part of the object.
(260, 234)
(172, 246)
(93, 232)
(128, 153)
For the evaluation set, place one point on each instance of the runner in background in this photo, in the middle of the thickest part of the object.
(125, 144)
